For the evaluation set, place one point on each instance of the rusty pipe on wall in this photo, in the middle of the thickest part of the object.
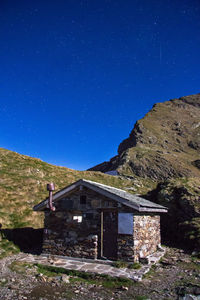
(51, 188)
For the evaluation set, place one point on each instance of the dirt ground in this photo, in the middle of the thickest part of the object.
(176, 275)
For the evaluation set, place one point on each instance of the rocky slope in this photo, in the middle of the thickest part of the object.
(181, 225)
(164, 144)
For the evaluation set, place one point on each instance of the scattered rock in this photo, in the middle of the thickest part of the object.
(124, 288)
(167, 262)
(65, 278)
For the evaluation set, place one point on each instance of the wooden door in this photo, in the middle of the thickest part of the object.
(110, 227)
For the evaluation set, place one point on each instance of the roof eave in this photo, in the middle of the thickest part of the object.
(153, 209)
(40, 206)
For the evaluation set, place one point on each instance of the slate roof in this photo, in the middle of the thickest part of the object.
(123, 197)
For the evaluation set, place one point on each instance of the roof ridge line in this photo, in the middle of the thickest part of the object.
(105, 185)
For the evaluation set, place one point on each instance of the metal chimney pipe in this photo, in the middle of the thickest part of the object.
(51, 188)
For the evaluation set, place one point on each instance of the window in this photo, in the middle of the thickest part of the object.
(125, 223)
(83, 199)
(78, 219)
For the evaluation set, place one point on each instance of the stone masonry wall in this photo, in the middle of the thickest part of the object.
(125, 247)
(146, 235)
(65, 236)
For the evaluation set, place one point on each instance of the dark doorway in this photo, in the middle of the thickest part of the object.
(110, 235)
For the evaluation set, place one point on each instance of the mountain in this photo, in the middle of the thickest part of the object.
(23, 182)
(160, 160)
(164, 144)
(164, 147)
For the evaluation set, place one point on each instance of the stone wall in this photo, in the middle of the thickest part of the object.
(146, 235)
(65, 236)
(125, 245)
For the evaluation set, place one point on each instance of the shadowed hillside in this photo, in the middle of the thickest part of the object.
(181, 225)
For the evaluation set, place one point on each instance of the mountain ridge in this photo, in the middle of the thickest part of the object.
(164, 144)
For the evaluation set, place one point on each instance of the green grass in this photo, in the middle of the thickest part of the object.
(134, 266)
(16, 219)
(20, 267)
(151, 272)
(7, 248)
(122, 264)
(23, 184)
(104, 280)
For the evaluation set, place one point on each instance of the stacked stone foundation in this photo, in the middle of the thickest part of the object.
(82, 247)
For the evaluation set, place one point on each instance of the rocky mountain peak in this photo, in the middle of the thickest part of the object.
(163, 144)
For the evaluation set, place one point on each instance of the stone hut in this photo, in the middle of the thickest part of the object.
(93, 220)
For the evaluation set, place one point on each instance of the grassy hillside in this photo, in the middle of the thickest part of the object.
(23, 184)
(167, 142)
(164, 144)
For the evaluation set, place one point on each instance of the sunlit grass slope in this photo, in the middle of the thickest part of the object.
(23, 184)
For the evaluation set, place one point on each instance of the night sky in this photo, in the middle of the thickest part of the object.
(76, 75)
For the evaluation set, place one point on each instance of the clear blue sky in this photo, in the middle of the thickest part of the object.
(76, 75)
